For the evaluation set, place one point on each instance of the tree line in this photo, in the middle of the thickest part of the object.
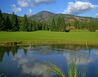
(13, 22)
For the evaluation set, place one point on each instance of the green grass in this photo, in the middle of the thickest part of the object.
(79, 30)
(50, 37)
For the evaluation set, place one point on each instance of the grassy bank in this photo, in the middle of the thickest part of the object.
(46, 37)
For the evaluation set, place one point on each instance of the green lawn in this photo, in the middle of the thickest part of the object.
(50, 37)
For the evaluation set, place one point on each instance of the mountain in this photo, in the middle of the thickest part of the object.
(43, 16)
(46, 20)
(47, 16)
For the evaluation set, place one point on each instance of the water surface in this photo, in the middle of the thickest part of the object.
(30, 61)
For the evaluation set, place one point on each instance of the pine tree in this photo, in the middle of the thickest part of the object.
(92, 26)
(76, 24)
(1, 21)
(15, 23)
(30, 27)
(24, 24)
(61, 24)
(53, 25)
(8, 25)
(33, 25)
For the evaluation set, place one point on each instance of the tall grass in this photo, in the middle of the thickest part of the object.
(55, 69)
(72, 70)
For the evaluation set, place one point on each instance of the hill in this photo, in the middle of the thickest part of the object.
(46, 16)
(46, 20)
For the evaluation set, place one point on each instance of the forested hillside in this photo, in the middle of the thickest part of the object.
(46, 21)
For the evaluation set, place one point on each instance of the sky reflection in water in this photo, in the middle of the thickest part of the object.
(30, 61)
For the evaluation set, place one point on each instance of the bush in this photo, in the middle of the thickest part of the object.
(67, 30)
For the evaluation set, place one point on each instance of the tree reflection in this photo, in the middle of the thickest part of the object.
(7, 50)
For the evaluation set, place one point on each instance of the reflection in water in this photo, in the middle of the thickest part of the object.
(30, 65)
(7, 50)
(79, 58)
(30, 61)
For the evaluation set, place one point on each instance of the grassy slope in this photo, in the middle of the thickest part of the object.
(51, 37)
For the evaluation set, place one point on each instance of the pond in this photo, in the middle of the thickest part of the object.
(48, 61)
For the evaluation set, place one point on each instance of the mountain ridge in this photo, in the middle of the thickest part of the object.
(47, 16)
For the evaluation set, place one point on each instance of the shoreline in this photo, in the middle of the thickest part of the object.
(47, 42)
(48, 38)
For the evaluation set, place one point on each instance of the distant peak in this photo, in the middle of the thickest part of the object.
(45, 12)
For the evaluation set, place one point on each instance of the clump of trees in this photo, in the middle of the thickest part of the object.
(9, 23)
(13, 22)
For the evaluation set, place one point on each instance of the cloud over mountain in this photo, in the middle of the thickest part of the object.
(23, 3)
(16, 9)
(79, 7)
(36, 2)
(30, 3)
(97, 15)
(30, 13)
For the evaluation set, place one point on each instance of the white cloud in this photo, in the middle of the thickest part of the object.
(79, 7)
(32, 66)
(30, 3)
(78, 59)
(43, 1)
(30, 13)
(16, 9)
(97, 15)
(36, 69)
(30, 10)
(23, 3)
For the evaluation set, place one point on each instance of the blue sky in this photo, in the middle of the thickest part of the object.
(30, 7)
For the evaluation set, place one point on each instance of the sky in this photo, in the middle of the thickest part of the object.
(31, 7)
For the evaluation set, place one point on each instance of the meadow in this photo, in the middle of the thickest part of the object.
(48, 37)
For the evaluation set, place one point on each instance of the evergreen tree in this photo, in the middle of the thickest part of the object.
(24, 24)
(8, 25)
(76, 24)
(92, 26)
(53, 25)
(43, 26)
(1, 21)
(34, 25)
(29, 27)
(46, 26)
(61, 24)
(15, 23)
(21, 25)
